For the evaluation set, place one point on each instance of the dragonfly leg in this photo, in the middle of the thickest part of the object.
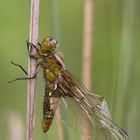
(38, 53)
(29, 44)
(19, 67)
(28, 78)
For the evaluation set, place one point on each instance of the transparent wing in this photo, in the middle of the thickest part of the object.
(79, 108)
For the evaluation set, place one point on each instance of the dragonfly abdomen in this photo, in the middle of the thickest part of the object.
(50, 105)
(47, 120)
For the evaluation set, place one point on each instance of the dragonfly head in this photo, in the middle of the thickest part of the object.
(48, 45)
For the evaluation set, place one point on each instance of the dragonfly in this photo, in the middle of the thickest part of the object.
(78, 107)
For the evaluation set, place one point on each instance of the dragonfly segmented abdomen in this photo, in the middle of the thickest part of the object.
(48, 114)
(50, 104)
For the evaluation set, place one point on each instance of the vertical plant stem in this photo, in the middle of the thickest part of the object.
(59, 128)
(87, 43)
(33, 36)
(87, 46)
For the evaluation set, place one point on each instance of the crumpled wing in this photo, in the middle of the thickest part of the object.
(79, 108)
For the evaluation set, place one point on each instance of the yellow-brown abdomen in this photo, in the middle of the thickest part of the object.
(50, 105)
(47, 120)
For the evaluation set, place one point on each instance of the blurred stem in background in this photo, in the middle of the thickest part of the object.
(87, 49)
(125, 59)
(16, 126)
(56, 34)
(122, 93)
(55, 19)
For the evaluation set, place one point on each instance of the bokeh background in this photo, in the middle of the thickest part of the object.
(115, 60)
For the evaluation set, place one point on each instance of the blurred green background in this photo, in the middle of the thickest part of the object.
(115, 55)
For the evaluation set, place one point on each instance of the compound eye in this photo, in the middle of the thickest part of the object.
(50, 39)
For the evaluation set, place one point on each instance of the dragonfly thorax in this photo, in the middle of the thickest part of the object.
(51, 68)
